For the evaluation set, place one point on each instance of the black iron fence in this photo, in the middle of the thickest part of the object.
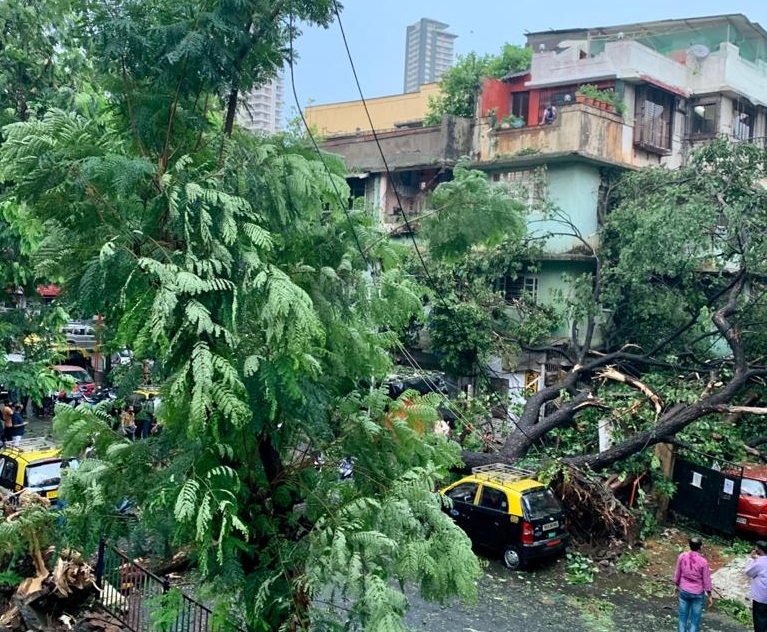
(145, 602)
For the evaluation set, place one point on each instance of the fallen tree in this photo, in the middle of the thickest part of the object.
(681, 270)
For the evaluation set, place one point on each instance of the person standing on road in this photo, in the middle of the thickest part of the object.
(693, 583)
(18, 422)
(7, 423)
(128, 420)
(756, 570)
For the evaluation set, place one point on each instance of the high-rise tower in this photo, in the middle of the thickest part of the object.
(263, 107)
(428, 53)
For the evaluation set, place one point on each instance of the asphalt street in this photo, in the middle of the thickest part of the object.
(542, 601)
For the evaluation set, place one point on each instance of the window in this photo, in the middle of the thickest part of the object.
(517, 288)
(652, 128)
(526, 185)
(742, 121)
(520, 102)
(8, 471)
(540, 503)
(750, 487)
(703, 119)
(463, 493)
(493, 499)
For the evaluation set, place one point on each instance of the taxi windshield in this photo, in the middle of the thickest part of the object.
(540, 503)
(45, 474)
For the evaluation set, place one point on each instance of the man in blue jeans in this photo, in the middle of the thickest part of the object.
(693, 584)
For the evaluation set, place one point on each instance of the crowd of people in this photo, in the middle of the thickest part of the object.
(142, 423)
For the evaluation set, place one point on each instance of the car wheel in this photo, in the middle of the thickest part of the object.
(511, 559)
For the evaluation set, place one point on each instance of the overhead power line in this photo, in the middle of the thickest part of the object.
(341, 202)
(383, 158)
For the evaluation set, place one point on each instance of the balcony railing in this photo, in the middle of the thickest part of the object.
(579, 129)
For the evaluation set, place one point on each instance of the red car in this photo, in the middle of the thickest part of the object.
(84, 383)
(752, 504)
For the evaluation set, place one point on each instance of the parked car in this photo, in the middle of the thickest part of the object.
(751, 515)
(79, 334)
(35, 464)
(84, 383)
(504, 509)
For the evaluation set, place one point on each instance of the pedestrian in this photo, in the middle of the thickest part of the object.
(7, 423)
(128, 420)
(17, 419)
(692, 581)
(756, 570)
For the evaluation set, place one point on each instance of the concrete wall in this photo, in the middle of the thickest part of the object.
(725, 71)
(574, 188)
(407, 148)
(579, 128)
(623, 59)
(334, 119)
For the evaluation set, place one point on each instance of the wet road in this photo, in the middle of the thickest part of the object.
(542, 601)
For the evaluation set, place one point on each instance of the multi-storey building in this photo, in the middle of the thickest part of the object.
(428, 53)
(676, 83)
(262, 108)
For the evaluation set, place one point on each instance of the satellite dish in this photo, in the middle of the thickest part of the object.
(699, 51)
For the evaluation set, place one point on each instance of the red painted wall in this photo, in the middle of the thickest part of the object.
(497, 94)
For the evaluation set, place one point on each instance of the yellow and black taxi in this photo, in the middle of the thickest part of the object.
(504, 509)
(36, 464)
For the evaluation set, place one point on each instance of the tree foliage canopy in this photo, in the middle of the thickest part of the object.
(461, 83)
(230, 260)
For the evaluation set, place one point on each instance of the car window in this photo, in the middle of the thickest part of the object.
(81, 377)
(493, 498)
(8, 470)
(46, 474)
(750, 487)
(463, 493)
(540, 503)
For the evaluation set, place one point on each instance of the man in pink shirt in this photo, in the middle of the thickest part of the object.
(693, 582)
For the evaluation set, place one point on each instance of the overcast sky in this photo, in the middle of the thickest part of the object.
(376, 33)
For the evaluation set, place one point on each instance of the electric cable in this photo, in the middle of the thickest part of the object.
(432, 284)
(341, 202)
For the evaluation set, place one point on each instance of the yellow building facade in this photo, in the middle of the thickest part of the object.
(391, 112)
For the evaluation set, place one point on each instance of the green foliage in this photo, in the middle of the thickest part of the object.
(630, 562)
(738, 547)
(471, 212)
(228, 260)
(580, 569)
(461, 83)
(10, 579)
(668, 227)
(735, 609)
(164, 609)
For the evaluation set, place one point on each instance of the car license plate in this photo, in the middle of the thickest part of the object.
(550, 525)
(741, 520)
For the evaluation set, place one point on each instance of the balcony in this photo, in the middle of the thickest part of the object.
(579, 129)
(626, 59)
(405, 148)
(727, 72)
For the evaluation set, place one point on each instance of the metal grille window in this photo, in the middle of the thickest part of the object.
(743, 117)
(526, 185)
(515, 289)
(652, 129)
